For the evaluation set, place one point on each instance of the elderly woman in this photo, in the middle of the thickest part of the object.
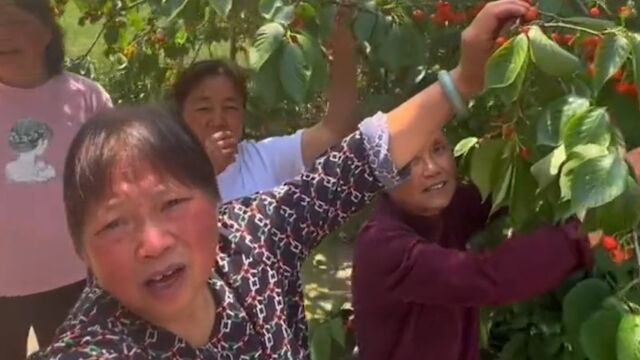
(175, 276)
(211, 96)
(41, 108)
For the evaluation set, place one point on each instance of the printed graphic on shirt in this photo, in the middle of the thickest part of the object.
(29, 139)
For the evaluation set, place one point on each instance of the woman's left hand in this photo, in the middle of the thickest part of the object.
(341, 42)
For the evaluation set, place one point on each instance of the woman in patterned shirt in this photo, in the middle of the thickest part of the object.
(176, 277)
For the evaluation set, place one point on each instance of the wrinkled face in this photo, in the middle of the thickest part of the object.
(23, 41)
(152, 242)
(432, 182)
(215, 105)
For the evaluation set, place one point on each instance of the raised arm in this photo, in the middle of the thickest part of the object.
(430, 109)
(522, 267)
(342, 94)
(293, 218)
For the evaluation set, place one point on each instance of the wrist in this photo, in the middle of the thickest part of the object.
(465, 87)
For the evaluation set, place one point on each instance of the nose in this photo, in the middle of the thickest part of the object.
(217, 120)
(154, 241)
(430, 167)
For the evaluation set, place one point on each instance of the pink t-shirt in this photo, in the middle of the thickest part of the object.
(36, 129)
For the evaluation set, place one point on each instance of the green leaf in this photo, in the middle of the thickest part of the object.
(482, 161)
(591, 127)
(549, 56)
(511, 92)
(582, 300)
(505, 64)
(591, 23)
(381, 30)
(546, 170)
(268, 40)
(402, 47)
(294, 72)
(597, 181)
(621, 214)
(268, 7)
(266, 82)
(363, 26)
(326, 17)
(609, 57)
(502, 178)
(634, 39)
(523, 195)
(313, 55)
(550, 6)
(285, 14)
(464, 146)
(305, 12)
(576, 157)
(321, 343)
(554, 116)
(111, 34)
(598, 334)
(628, 337)
(176, 8)
(338, 331)
(515, 348)
(222, 7)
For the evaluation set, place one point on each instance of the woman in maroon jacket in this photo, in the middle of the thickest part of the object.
(417, 291)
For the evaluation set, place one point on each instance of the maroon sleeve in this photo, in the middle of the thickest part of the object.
(522, 267)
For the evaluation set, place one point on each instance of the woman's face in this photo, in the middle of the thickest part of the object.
(23, 41)
(152, 242)
(432, 183)
(214, 105)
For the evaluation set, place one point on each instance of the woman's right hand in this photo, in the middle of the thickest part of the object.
(478, 43)
(222, 149)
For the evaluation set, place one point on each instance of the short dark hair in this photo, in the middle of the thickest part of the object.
(192, 76)
(147, 134)
(54, 53)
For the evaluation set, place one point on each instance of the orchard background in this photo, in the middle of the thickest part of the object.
(546, 141)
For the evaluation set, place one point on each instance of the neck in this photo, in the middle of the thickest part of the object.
(25, 79)
(196, 323)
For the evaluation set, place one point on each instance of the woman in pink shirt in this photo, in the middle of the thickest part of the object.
(41, 108)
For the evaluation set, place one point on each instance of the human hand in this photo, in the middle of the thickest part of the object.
(478, 43)
(341, 42)
(222, 148)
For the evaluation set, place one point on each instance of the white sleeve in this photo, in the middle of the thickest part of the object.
(282, 156)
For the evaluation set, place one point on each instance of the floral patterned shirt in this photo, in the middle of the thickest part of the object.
(256, 284)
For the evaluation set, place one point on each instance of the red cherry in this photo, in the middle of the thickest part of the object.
(524, 153)
(624, 12)
(418, 15)
(594, 12)
(531, 15)
(556, 38)
(296, 23)
(609, 243)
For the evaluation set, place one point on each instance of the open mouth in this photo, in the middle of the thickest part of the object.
(163, 280)
(435, 187)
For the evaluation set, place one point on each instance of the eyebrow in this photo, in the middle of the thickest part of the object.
(208, 98)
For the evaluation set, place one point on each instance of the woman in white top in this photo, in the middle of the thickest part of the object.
(211, 96)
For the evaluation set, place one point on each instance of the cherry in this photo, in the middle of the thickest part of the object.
(418, 15)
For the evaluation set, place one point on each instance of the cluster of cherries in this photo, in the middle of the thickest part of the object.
(616, 253)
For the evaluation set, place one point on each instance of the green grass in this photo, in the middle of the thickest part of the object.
(78, 39)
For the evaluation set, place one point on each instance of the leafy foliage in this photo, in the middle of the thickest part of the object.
(546, 140)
